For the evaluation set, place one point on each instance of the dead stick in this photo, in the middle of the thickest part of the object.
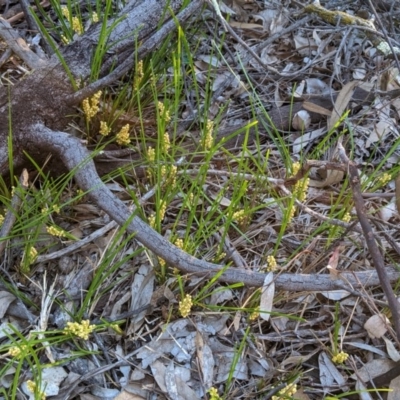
(12, 212)
(376, 256)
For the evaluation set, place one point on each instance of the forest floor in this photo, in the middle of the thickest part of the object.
(240, 126)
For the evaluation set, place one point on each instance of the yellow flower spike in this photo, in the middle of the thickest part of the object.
(151, 154)
(346, 217)
(32, 255)
(138, 74)
(31, 386)
(77, 25)
(179, 243)
(65, 12)
(95, 17)
(295, 167)
(286, 392)
(122, 136)
(1, 219)
(82, 330)
(185, 306)
(164, 112)
(104, 128)
(301, 188)
(152, 220)
(340, 358)
(254, 315)
(166, 142)
(64, 39)
(162, 262)
(239, 216)
(213, 392)
(163, 209)
(208, 135)
(272, 265)
(384, 178)
(55, 231)
(16, 351)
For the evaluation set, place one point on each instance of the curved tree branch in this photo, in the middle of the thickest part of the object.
(77, 158)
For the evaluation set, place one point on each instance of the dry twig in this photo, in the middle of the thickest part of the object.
(370, 239)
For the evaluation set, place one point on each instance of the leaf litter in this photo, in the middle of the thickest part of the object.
(288, 337)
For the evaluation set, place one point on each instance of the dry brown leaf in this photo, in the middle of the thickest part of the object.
(267, 297)
(301, 121)
(315, 108)
(128, 396)
(391, 350)
(6, 299)
(376, 326)
(341, 103)
(332, 177)
(245, 25)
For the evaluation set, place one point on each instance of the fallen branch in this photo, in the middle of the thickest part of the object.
(76, 157)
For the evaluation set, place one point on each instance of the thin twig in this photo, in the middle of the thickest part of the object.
(19, 46)
(370, 239)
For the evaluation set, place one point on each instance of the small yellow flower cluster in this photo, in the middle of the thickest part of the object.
(189, 200)
(138, 74)
(77, 25)
(172, 175)
(166, 142)
(31, 386)
(122, 136)
(286, 392)
(340, 358)
(151, 154)
(213, 392)
(179, 243)
(385, 178)
(117, 329)
(163, 209)
(208, 135)
(152, 220)
(162, 262)
(164, 112)
(64, 39)
(32, 255)
(56, 209)
(163, 172)
(1, 219)
(91, 105)
(16, 351)
(295, 167)
(239, 216)
(95, 17)
(272, 265)
(301, 188)
(104, 128)
(82, 330)
(346, 217)
(65, 12)
(185, 305)
(291, 213)
(55, 231)
(254, 315)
